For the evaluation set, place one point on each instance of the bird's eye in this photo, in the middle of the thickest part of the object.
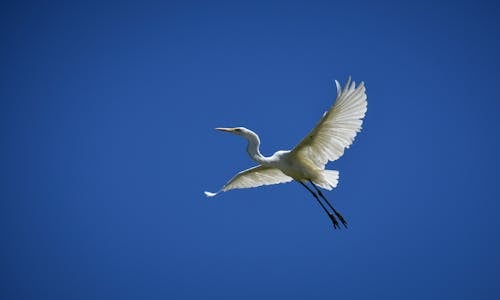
(238, 130)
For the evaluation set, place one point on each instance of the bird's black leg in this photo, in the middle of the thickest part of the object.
(332, 217)
(341, 218)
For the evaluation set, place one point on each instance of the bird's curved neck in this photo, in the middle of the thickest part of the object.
(253, 149)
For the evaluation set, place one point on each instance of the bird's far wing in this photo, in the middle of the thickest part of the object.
(254, 177)
(337, 128)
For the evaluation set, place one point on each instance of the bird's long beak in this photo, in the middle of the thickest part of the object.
(225, 129)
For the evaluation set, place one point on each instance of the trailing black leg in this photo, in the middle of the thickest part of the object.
(332, 217)
(341, 218)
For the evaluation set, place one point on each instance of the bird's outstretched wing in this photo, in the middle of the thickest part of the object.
(337, 128)
(254, 177)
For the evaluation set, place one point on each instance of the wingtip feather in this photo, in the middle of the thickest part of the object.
(339, 89)
(209, 194)
(347, 85)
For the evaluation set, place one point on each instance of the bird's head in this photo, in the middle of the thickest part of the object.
(235, 130)
(242, 131)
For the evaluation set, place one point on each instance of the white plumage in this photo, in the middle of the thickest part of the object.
(334, 133)
(337, 128)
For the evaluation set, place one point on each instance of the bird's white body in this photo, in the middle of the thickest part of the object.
(303, 170)
(306, 162)
(294, 166)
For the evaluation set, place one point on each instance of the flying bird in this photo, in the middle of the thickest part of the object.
(305, 163)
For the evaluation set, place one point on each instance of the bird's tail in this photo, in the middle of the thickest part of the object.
(328, 179)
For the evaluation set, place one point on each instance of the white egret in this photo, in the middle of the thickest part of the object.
(306, 162)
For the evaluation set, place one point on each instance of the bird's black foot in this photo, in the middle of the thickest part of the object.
(341, 218)
(335, 222)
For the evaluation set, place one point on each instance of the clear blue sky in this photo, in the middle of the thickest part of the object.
(106, 120)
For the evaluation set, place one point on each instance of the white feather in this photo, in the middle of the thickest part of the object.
(337, 129)
(210, 194)
(256, 176)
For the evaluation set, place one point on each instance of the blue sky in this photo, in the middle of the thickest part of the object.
(107, 118)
